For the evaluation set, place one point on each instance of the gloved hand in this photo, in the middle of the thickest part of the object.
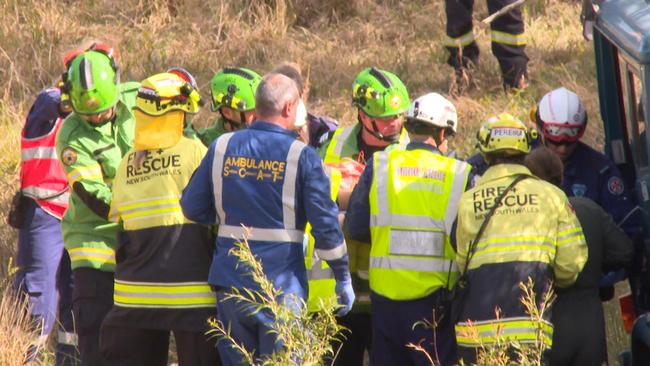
(345, 296)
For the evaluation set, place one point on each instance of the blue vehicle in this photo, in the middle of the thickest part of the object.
(622, 50)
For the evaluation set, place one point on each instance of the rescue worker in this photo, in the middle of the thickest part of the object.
(508, 42)
(578, 320)
(405, 205)
(381, 99)
(319, 128)
(162, 258)
(265, 179)
(44, 272)
(533, 233)
(562, 118)
(233, 97)
(91, 144)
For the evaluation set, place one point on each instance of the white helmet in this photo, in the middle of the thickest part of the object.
(434, 109)
(561, 116)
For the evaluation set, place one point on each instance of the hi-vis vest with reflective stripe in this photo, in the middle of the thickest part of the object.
(344, 144)
(413, 203)
(289, 232)
(41, 175)
(151, 274)
(321, 277)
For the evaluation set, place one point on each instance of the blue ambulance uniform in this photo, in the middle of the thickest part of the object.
(589, 173)
(44, 265)
(265, 179)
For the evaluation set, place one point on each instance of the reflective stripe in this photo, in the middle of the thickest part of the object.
(92, 254)
(386, 219)
(416, 242)
(161, 206)
(94, 172)
(40, 152)
(317, 272)
(508, 38)
(413, 264)
(460, 182)
(163, 294)
(68, 338)
(331, 254)
(43, 194)
(462, 41)
(217, 171)
(381, 171)
(364, 275)
(261, 234)
(289, 185)
(522, 329)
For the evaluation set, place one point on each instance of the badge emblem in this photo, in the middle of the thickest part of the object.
(395, 101)
(68, 156)
(615, 186)
(578, 189)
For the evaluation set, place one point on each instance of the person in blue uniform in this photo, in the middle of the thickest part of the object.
(263, 178)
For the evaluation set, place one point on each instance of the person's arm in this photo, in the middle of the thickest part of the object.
(571, 247)
(85, 175)
(618, 249)
(357, 218)
(197, 200)
(616, 199)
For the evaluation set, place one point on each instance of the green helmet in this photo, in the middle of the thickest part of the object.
(234, 88)
(379, 93)
(92, 81)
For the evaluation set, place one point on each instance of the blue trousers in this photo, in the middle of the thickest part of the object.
(393, 328)
(46, 277)
(248, 329)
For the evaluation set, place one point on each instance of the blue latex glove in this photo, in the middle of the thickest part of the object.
(345, 296)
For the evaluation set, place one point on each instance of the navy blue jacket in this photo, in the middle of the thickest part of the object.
(263, 178)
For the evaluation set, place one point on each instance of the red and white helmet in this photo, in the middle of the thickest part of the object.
(561, 116)
(434, 109)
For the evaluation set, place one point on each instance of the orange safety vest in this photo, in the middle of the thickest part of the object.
(42, 177)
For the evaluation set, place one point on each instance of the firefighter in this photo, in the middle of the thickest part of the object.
(508, 42)
(405, 205)
(265, 179)
(381, 100)
(162, 258)
(319, 128)
(233, 97)
(90, 145)
(578, 320)
(562, 118)
(533, 233)
(44, 272)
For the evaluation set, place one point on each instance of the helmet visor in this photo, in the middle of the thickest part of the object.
(158, 132)
(562, 131)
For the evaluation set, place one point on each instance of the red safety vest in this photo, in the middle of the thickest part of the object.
(41, 175)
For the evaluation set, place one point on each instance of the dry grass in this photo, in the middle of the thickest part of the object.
(332, 39)
(15, 333)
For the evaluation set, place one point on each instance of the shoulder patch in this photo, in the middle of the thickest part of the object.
(69, 156)
(615, 186)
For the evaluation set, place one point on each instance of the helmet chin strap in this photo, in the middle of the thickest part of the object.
(234, 125)
(375, 132)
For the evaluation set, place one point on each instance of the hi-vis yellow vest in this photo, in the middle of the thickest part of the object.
(319, 274)
(146, 202)
(413, 204)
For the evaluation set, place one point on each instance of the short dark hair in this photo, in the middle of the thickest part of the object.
(292, 71)
(545, 164)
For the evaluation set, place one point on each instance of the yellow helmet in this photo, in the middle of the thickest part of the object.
(506, 134)
(166, 92)
(160, 107)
